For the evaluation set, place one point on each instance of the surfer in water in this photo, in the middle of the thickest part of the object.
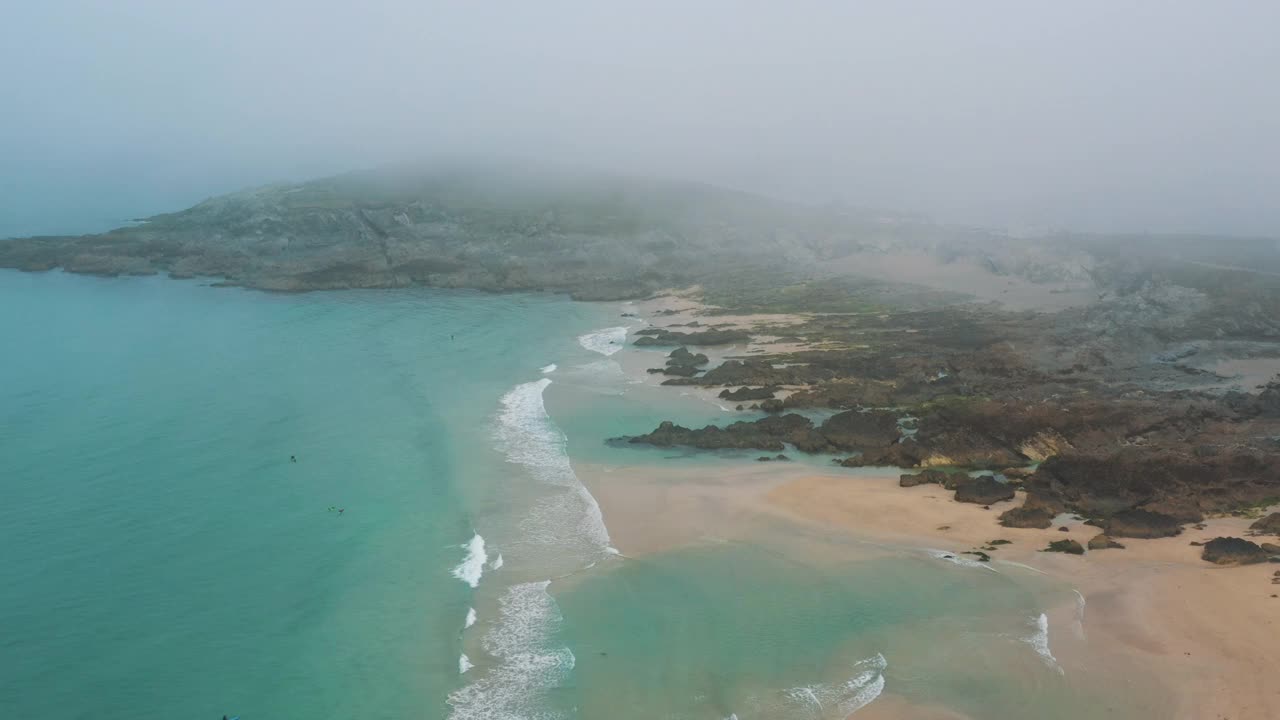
(293, 458)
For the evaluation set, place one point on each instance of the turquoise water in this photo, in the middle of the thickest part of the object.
(164, 557)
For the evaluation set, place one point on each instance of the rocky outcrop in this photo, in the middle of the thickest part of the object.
(1070, 547)
(768, 433)
(1233, 551)
(1269, 525)
(983, 490)
(681, 363)
(925, 477)
(1102, 542)
(1139, 523)
(659, 337)
(747, 393)
(1027, 517)
(859, 430)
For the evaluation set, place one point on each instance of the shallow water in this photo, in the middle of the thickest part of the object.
(165, 558)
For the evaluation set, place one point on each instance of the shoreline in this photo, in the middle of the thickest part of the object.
(1202, 630)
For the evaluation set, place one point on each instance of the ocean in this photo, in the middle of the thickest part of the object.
(371, 504)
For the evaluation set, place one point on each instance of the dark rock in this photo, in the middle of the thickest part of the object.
(658, 337)
(682, 356)
(1064, 528)
(768, 433)
(772, 405)
(781, 458)
(857, 430)
(746, 393)
(1000, 541)
(1102, 542)
(983, 490)
(923, 477)
(1233, 551)
(1271, 548)
(1269, 525)
(1140, 523)
(1027, 517)
(1065, 546)
(676, 370)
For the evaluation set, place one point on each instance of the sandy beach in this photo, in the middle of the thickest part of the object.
(1207, 633)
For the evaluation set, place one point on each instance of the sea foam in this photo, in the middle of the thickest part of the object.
(527, 663)
(1039, 639)
(471, 618)
(606, 342)
(566, 523)
(472, 566)
(1079, 621)
(464, 664)
(568, 519)
(832, 701)
(548, 368)
(959, 559)
(497, 563)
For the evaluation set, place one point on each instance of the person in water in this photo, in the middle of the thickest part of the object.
(293, 458)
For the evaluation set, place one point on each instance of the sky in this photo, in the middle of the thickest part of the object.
(1096, 116)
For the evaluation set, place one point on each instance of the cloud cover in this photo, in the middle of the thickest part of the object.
(1156, 116)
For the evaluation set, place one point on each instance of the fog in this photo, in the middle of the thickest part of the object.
(1105, 116)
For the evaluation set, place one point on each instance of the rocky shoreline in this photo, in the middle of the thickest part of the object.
(987, 403)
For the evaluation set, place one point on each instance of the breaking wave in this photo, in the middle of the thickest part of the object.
(959, 559)
(563, 530)
(568, 518)
(471, 618)
(497, 563)
(1040, 641)
(527, 665)
(606, 342)
(548, 368)
(464, 664)
(834, 701)
(472, 566)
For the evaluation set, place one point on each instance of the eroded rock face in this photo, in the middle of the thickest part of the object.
(1142, 524)
(1269, 525)
(983, 490)
(1233, 551)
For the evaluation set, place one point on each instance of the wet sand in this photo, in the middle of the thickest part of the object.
(1211, 635)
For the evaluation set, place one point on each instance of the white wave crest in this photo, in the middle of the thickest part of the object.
(527, 665)
(471, 618)
(1040, 641)
(472, 566)
(606, 342)
(548, 368)
(837, 701)
(464, 664)
(959, 559)
(570, 519)
(497, 563)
